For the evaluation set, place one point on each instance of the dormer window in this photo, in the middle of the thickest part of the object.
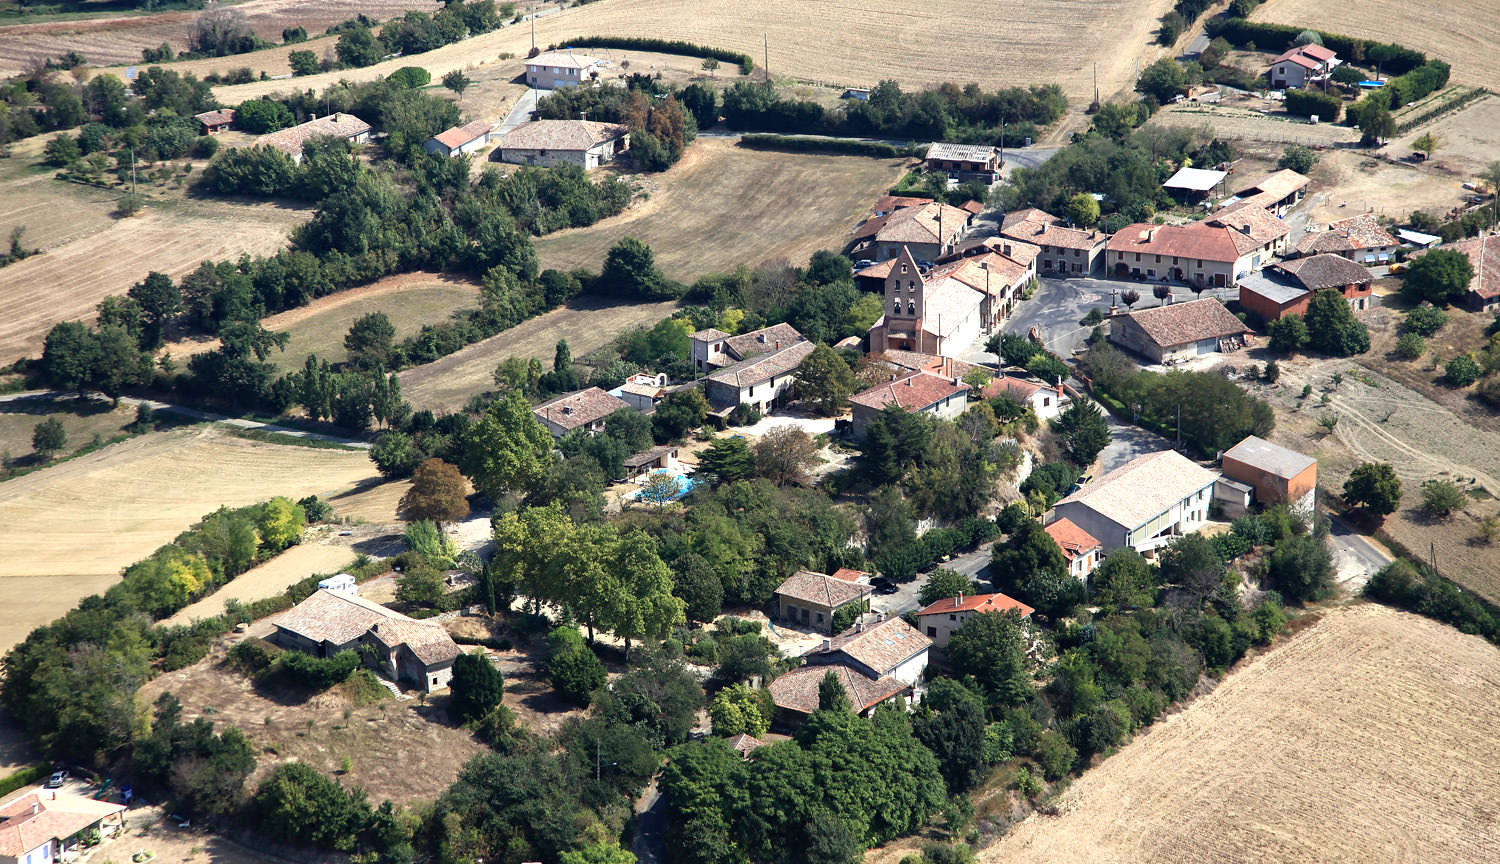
(903, 269)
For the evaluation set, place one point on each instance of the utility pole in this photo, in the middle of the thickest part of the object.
(532, 16)
(1002, 142)
(132, 170)
(1096, 83)
(1179, 425)
(766, 47)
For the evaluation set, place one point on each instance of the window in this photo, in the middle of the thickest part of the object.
(1158, 259)
(1174, 259)
(820, 617)
(952, 617)
(1137, 256)
(932, 632)
(718, 346)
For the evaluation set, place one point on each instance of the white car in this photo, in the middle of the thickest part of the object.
(57, 779)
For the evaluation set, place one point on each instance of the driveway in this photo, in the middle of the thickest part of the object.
(811, 424)
(1127, 442)
(974, 564)
(1355, 557)
(520, 112)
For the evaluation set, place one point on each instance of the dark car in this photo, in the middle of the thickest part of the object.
(884, 586)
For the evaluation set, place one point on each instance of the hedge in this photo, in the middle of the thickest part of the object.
(1392, 59)
(1306, 103)
(845, 146)
(1417, 83)
(665, 46)
(24, 777)
(1437, 111)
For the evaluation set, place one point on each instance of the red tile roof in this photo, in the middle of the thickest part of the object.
(1315, 272)
(822, 589)
(765, 366)
(290, 141)
(1196, 241)
(1273, 187)
(1043, 229)
(570, 135)
(916, 224)
(977, 603)
(458, 136)
(1359, 232)
(797, 690)
(917, 361)
(57, 816)
(913, 392)
(1193, 321)
(881, 647)
(215, 118)
(581, 408)
(847, 575)
(1250, 226)
(746, 744)
(1016, 388)
(1074, 540)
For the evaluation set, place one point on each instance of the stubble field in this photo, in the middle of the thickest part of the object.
(1461, 32)
(68, 281)
(844, 44)
(588, 323)
(71, 528)
(1370, 736)
(723, 205)
(120, 39)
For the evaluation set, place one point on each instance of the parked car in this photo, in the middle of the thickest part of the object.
(57, 779)
(884, 586)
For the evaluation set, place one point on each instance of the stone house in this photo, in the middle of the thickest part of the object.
(1172, 334)
(919, 392)
(583, 143)
(810, 599)
(330, 622)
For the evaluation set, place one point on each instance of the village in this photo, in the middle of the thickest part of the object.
(601, 449)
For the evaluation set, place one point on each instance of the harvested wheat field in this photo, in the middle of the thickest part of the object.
(71, 528)
(724, 205)
(588, 323)
(1370, 736)
(1462, 32)
(312, 555)
(121, 38)
(67, 282)
(843, 44)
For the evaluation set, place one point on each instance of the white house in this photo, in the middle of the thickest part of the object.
(555, 70)
(1047, 400)
(919, 392)
(564, 142)
(460, 140)
(1143, 503)
(941, 619)
(1301, 65)
(756, 368)
(642, 390)
(48, 827)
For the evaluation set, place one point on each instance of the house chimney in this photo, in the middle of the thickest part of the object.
(959, 600)
(908, 380)
(859, 627)
(778, 344)
(827, 644)
(36, 806)
(312, 117)
(1150, 234)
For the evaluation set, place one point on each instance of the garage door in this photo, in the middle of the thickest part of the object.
(1208, 346)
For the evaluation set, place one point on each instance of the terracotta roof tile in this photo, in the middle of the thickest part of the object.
(797, 690)
(763, 367)
(1484, 256)
(1043, 229)
(1019, 389)
(1143, 488)
(461, 135)
(1251, 226)
(216, 117)
(564, 60)
(760, 341)
(1354, 234)
(1316, 272)
(746, 744)
(916, 224)
(977, 603)
(845, 574)
(338, 125)
(561, 135)
(1274, 186)
(57, 817)
(881, 647)
(1196, 241)
(1073, 540)
(914, 392)
(1193, 321)
(338, 618)
(822, 589)
(572, 410)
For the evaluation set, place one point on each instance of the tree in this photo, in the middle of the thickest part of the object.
(1410, 346)
(1130, 297)
(371, 341)
(1297, 157)
(395, 454)
(1375, 487)
(785, 454)
(1031, 567)
(630, 271)
(61, 151)
(1082, 209)
(710, 65)
(300, 806)
(358, 48)
(701, 589)
(477, 687)
(660, 488)
(1376, 124)
(303, 62)
(457, 81)
(1084, 432)
(1461, 371)
(739, 710)
(437, 494)
(259, 116)
(68, 356)
(1123, 581)
(1192, 570)
(48, 437)
(1308, 37)
(410, 77)
(1332, 327)
(1288, 333)
(677, 413)
(888, 523)
(508, 449)
(945, 583)
(1440, 277)
(1491, 176)
(992, 648)
(955, 733)
(831, 694)
(160, 300)
(573, 668)
(1161, 80)
(1301, 567)
(598, 853)
(1426, 143)
(726, 460)
(1441, 497)
(1424, 320)
(825, 380)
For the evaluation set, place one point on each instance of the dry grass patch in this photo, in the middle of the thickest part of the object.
(321, 553)
(588, 323)
(723, 206)
(68, 282)
(71, 528)
(1460, 32)
(82, 421)
(1368, 737)
(1468, 140)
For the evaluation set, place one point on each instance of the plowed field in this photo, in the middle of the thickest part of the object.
(1371, 736)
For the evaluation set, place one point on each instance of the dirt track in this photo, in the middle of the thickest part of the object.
(1371, 736)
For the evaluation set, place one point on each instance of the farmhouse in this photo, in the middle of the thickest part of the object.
(927, 312)
(812, 599)
(583, 409)
(48, 827)
(1080, 549)
(1300, 65)
(756, 368)
(919, 392)
(555, 70)
(330, 622)
(1278, 475)
(1199, 254)
(1285, 288)
(642, 390)
(1194, 184)
(888, 648)
(1171, 334)
(941, 619)
(965, 162)
(1143, 503)
(745, 744)
(1064, 251)
(214, 122)
(796, 692)
(929, 231)
(343, 126)
(1484, 257)
(1045, 399)
(564, 142)
(1276, 192)
(460, 140)
(1255, 231)
(1360, 239)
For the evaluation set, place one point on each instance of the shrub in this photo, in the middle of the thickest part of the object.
(1299, 158)
(1461, 371)
(1410, 346)
(1424, 320)
(1307, 103)
(1441, 497)
(1054, 754)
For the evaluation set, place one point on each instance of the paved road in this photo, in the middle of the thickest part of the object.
(973, 564)
(1356, 556)
(1127, 442)
(520, 113)
(194, 413)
